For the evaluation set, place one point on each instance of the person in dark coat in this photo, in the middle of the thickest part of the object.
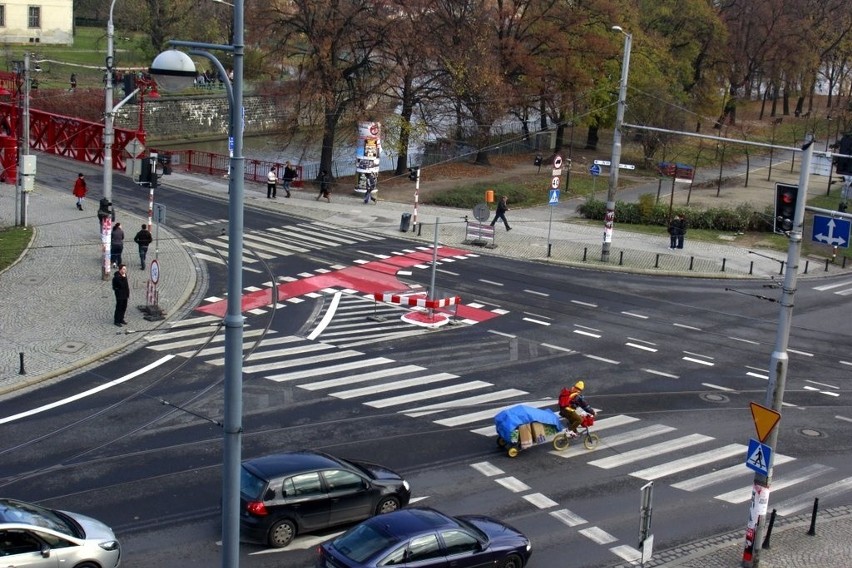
(677, 230)
(121, 287)
(502, 207)
(143, 238)
(103, 212)
(116, 244)
(324, 186)
(290, 174)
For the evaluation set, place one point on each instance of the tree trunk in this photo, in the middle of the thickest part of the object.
(592, 137)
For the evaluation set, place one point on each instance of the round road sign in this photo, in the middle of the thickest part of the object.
(481, 212)
(595, 170)
(155, 271)
(557, 162)
(554, 183)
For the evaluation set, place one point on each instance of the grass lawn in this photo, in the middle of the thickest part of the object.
(13, 241)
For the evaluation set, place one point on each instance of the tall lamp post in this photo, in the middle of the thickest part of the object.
(616, 147)
(174, 70)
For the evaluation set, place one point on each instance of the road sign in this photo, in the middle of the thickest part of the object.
(481, 212)
(554, 197)
(831, 231)
(135, 148)
(595, 170)
(759, 457)
(557, 162)
(155, 271)
(607, 163)
(554, 183)
(765, 420)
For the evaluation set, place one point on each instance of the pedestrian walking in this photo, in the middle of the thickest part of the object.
(370, 194)
(143, 238)
(116, 245)
(73, 82)
(121, 288)
(324, 186)
(677, 231)
(290, 175)
(271, 182)
(502, 207)
(80, 190)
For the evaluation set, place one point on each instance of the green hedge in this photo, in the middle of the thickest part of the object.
(645, 212)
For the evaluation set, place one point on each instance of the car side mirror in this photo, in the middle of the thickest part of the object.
(45, 551)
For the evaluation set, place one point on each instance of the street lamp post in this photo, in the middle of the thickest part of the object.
(109, 137)
(171, 70)
(616, 147)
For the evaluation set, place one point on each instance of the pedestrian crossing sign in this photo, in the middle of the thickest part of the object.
(759, 457)
(554, 197)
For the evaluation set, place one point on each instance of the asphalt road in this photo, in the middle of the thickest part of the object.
(672, 364)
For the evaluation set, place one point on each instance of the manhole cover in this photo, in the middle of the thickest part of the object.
(811, 433)
(714, 397)
(70, 347)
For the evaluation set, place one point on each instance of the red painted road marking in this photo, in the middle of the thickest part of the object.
(370, 278)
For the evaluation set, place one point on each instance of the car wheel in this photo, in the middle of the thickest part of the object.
(86, 565)
(513, 561)
(282, 533)
(387, 505)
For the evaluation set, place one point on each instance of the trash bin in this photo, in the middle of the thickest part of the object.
(405, 222)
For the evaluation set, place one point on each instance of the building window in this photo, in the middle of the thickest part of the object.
(34, 19)
(2, 15)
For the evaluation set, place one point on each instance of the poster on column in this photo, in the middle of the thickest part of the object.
(368, 152)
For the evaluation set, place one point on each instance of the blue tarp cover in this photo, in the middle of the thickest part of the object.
(507, 421)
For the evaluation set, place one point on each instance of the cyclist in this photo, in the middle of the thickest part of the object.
(569, 401)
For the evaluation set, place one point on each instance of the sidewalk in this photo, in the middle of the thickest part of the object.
(57, 310)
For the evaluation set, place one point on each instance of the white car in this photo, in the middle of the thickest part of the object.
(31, 535)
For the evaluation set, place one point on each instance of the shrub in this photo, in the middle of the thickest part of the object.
(739, 219)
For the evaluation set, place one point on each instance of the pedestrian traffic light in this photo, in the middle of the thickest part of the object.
(844, 165)
(413, 173)
(786, 197)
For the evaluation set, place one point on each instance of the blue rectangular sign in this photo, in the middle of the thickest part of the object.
(831, 231)
(759, 457)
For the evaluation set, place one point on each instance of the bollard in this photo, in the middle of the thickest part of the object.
(812, 530)
(807, 263)
(22, 371)
(765, 545)
(781, 272)
(723, 264)
(826, 265)
(843, 264)
(549, 245)
(657, 261)
(750, 268)
(691, 261)
(419, 229)
(585, 252)
(621, 258)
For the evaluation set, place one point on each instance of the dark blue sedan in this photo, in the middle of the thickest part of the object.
(426, 538)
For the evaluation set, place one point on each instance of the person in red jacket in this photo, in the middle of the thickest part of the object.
(80, 190)
(569, 401)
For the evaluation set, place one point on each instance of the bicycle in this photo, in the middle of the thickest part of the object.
(590, 440)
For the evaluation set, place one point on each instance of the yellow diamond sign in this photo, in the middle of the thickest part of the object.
(765, 420)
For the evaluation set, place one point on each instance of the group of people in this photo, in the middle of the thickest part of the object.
(290, 175)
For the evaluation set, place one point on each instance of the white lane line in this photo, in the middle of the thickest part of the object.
(423, 395)
(395, 385)
(586, 333)
(486, 468)
(631, 314)
(482, 414)
(627, 553)
(597, 535)
(642, 347)
(617, 440)
(749, 341)
(326, 319)
(469, 402)
(650, 451)
(535, 293)
(567, 517)
(537, 315)
(827, 393)
(825, 287)
(699, 361)
(843, 418)
(91, 391)
(724, 475)
(586, 304)
(441, 270)
(513, 484)
(491, 282)
(689, 462)
(805, 353)
(362, 377)
(717, 387)
(545, 323)
(757, 376)
(743, 494)
(693, 328)
(661, 373)
(822, 384)
(329, 369)
(509, 335)
(699, 355)
(602, 359)
(556, 347)
(541, 501)
(846, 363)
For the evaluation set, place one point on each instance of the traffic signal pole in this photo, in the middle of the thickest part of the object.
(778, 365)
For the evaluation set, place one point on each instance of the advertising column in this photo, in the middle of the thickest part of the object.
(368, 150)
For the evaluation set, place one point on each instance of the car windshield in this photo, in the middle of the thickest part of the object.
(362, 542)
(27, 513)
(250, 484)
(473, 529)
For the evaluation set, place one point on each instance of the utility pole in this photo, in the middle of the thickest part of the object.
(778, 365)
(23, 188)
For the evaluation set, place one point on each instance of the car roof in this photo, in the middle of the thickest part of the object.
(412, 520)
(289, 463)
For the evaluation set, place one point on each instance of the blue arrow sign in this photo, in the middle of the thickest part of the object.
(595, 170)
(759, 457)
(554, 197)
(831, 231)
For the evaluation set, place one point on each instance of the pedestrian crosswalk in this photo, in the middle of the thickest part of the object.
(689, 461)
(842, 288)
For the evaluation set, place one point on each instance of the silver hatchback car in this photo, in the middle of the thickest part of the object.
(31, 535)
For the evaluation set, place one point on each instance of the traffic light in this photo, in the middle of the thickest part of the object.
(537, 161)
(413, 173)
(786, 197)
(844, 165)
